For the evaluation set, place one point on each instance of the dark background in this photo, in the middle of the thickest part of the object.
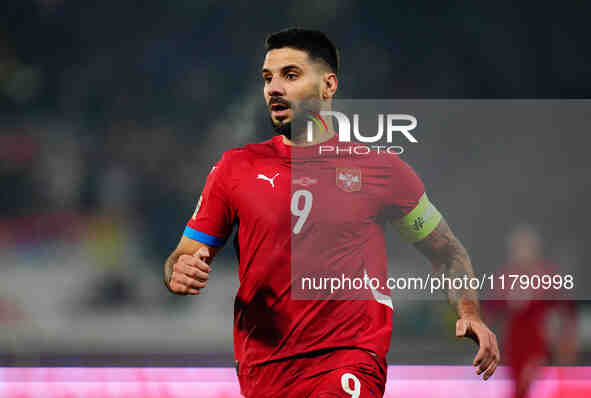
(112, 113)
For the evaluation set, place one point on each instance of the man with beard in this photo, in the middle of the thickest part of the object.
(286, 215)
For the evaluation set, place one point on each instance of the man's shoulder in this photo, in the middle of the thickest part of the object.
(250, 151)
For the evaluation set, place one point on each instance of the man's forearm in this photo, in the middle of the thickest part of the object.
(168, 266)
(457, 264)
(449, 257)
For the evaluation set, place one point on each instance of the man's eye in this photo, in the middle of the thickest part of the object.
(267, 79)
(291, 76)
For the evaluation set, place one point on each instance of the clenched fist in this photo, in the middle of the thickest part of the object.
(190, 273)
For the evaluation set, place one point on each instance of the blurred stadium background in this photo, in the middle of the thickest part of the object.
(112, 113)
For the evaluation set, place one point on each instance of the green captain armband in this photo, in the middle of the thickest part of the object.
(420, 222)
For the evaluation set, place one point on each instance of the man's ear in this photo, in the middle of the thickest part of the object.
(331, 83)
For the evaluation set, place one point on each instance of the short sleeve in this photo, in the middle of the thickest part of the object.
(405, 189)
(412, 214)
(213, 217)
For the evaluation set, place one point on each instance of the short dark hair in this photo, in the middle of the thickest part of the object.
(315, 43)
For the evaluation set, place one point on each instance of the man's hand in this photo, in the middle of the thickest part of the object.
(190, 273)
(488, 357)
(448, 255)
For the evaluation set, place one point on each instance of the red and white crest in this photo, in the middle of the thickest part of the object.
(349, 180)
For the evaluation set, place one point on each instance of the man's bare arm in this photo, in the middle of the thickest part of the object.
(448, 256)
(186, 270)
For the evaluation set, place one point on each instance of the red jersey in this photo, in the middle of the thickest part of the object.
(527, 312)
(295, 210)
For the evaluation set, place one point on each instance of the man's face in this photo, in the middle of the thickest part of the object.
(525, 247)
(290, 77)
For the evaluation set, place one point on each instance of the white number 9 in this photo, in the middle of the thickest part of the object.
(302, 213)
(345, 383)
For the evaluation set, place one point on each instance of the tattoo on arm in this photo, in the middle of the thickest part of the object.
(449, 257)
(168, 268)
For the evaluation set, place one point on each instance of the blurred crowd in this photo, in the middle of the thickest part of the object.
(111, 108)
(60, 180)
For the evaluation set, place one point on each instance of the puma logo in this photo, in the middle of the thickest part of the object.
(270, 180)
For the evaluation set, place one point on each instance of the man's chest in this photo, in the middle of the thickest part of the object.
(278, 196)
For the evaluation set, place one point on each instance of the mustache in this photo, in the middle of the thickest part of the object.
(279, 101)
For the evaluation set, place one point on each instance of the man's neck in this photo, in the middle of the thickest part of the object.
(320, 135)
(301, 140)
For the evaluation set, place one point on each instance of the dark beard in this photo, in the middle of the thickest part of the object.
(305, 108)
(281, 128)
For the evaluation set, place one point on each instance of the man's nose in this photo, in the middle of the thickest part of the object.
(275, 88)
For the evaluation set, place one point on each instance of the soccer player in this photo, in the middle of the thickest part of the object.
(289, 203)
(529, 339)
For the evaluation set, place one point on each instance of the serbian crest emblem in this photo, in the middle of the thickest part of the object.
(349, 180)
